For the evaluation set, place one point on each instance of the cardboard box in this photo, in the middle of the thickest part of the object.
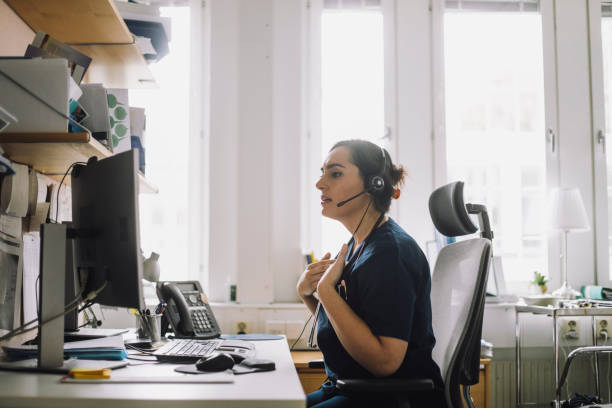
(119, 118)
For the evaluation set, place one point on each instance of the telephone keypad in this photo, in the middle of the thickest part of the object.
(201, 321)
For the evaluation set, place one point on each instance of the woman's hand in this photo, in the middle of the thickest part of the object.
(334, 272)
(311, 275)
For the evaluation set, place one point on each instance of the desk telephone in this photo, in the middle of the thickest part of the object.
(190, 316)
(187, 311)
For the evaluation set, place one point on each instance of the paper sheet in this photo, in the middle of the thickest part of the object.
(218, 378)
(12, 226)
(31, 262)
(10, 283)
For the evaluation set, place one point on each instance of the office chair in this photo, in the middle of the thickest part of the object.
(457, 299)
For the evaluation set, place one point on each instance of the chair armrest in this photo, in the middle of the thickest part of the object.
(385, 385)
(316, 364)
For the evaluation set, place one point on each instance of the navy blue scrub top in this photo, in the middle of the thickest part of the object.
(388, 287)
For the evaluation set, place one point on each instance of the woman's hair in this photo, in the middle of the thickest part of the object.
(369, 160)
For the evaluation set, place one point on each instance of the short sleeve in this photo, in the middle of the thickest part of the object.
(387, 294)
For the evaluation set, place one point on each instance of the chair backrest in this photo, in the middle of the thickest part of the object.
(457, 292)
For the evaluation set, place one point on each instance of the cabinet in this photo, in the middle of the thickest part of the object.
(312, 378)
(95, 28)
(567, 310)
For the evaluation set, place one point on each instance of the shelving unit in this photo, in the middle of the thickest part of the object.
(95, 28)
(52, 153)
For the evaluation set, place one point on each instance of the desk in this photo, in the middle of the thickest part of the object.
(311, 378)
(555, 313)
(279, 388)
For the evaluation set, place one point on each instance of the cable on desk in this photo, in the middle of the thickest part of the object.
(151, 362)
(140, 350)
(302, 332)
(74, 304)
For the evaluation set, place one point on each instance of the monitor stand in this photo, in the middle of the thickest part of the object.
(55, 251)
(53, 247)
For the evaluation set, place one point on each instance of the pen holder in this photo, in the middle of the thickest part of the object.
(149, 327)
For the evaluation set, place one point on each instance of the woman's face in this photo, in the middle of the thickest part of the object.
(340, 180)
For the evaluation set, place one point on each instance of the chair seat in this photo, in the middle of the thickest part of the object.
(397, 385)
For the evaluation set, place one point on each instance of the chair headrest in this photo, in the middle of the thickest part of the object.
(448, 211)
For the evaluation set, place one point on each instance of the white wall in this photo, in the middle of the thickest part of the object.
(223, 146)
(255, 130)
(13, 27)
(414, 141)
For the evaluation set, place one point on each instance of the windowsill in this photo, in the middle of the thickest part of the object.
(235, 305)
(500, 305)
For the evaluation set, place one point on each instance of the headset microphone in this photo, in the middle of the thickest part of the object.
(341, 203)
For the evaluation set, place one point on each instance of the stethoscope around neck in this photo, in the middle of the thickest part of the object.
(352, 261)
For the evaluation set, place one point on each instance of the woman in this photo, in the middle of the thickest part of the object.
(375, 314)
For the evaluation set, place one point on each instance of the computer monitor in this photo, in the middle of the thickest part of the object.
(105, 216)
(102, 244)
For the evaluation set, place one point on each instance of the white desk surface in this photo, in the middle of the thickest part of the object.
(279, 388)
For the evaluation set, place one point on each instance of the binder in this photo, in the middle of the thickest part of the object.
(49, 79)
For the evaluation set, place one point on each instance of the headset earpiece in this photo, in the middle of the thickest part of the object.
(377, 183)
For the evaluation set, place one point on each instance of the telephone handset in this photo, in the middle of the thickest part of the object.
(187, 310)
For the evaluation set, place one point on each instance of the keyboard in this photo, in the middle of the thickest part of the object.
(191, 350)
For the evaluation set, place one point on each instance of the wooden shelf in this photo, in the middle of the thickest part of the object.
(117, 66)
(74, 22)
(95, 28)
(52, 153)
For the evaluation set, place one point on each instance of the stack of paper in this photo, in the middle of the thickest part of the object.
(106, 348)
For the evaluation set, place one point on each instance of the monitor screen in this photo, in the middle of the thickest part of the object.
(105, 216)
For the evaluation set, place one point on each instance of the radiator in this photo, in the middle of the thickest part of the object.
(538, 381)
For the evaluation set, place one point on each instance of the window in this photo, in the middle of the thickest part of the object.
(352, 87)
(606, 39)
(494, 125)
(164, 217)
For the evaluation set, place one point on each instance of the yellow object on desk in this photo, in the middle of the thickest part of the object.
(89, 374)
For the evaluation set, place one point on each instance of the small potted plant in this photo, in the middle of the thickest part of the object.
(540, 280)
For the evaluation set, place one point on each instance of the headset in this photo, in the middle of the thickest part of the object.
(375, 183)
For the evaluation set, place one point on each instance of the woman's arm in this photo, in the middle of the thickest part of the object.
(311, 303)
(380, 355)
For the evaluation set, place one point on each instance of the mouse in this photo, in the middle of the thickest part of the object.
(215, 362)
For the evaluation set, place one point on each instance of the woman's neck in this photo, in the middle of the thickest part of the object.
(366, 226)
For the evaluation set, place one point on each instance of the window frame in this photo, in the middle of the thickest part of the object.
(312, 141)
(547, 13)
(599, 149)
